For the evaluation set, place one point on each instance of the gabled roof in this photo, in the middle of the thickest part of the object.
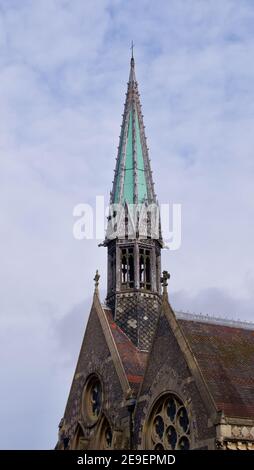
(225, 356)
(133, 360)
(221, 359)
(133, 182)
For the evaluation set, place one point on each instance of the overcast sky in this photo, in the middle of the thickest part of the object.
(63, 71)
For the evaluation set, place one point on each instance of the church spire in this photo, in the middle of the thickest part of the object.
(133, 182)
(133, 237)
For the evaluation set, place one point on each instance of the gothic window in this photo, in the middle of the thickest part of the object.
(105, 435)
(79, 441)
(168, 425)
(144, 269)
(148, 271)
(127, 267)
(92, 399)
(124, 267)
(131, 270)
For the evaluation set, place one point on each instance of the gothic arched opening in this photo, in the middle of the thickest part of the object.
(127, 268)
(79, 441)
(144, 269)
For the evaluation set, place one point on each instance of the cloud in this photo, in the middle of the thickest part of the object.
(214, 302)
(69, 331)
(34, 385)
(63, 72)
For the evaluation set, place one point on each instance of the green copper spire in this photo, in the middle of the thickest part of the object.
(133, 177)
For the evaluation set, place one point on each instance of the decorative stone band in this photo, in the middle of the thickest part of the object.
(235, 445)
(234, 437)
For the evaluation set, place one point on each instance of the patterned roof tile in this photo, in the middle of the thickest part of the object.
(225, 355)
(133, 360)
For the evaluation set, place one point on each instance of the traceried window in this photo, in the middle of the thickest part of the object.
(92, 399)
(168, 425)
(127, 267)
(144, 269)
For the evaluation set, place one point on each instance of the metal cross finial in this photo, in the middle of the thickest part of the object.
(164, 281)
(132, 47)
(96, 279)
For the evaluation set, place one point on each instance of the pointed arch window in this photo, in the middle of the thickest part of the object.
(127, 268)
(79, 441)
(145, 269)
(104, 435)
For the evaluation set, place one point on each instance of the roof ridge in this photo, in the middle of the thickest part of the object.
(244, 324)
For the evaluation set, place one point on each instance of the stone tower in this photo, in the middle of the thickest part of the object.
(133, 236)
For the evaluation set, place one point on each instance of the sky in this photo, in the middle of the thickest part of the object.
(64, 66)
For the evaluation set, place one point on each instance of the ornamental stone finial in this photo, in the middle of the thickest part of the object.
(164, 281)
(132, 47)
(96, 281)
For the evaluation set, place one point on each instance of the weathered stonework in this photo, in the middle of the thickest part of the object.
(161, 377)
(169, 368)
(231, 436)
(95, 358)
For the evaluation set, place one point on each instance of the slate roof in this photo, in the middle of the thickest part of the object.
(225, 355)
(133, 360)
